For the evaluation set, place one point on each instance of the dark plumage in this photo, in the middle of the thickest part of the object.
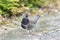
(29, 23)
(25, 21)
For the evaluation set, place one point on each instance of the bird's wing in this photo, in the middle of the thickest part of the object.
(31, 20)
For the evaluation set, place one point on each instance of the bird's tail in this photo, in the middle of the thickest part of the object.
(36, 18)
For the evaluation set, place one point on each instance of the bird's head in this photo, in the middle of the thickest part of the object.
(25, 15)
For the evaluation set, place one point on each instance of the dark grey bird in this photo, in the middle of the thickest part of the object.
(25, 21)
(29, 23)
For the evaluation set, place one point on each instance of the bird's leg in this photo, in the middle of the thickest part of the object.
(29, 31)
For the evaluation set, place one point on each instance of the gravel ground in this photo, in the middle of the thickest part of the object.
(48, 28)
